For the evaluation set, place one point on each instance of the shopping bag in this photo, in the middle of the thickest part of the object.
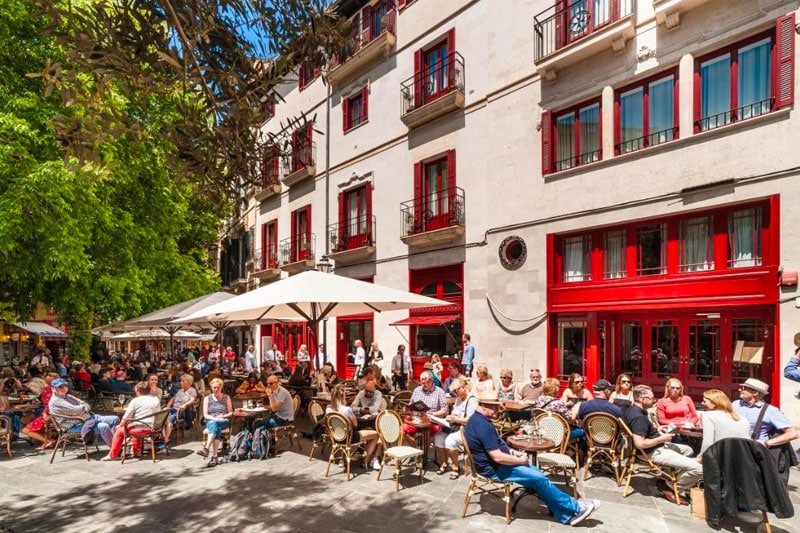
(698, 496)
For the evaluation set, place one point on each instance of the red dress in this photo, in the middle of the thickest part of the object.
(38, 423)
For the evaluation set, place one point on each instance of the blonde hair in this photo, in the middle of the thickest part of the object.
(618, 383)
(458, 383)
(483, 369)
(550, 386)
(721, 402)
(216, 380)
(338, 397)
(435, 358)
(666, 386)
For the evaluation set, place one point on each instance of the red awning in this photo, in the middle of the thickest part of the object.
(436, 320)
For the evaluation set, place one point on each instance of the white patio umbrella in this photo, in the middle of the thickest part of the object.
(311, 296)
(144, 334)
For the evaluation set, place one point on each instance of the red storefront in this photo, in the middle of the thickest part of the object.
(692, 296)
(288, 336)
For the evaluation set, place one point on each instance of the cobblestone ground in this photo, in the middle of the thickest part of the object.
(291, 493)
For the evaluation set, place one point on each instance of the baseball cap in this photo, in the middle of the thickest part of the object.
(59, 382)
(602, 385)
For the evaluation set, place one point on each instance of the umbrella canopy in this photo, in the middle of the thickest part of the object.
(144, 334)
(311, 296)
(163, 318)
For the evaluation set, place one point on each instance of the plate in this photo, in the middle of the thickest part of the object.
(254, 409)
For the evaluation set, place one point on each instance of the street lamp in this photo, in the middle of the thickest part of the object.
(324, 265)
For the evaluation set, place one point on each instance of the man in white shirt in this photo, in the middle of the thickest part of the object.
(41, 359)
(401, 367)
(320, 359)
(360, 357)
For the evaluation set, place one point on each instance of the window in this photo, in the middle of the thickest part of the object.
(267, 110)
(269, 244)
(577, 137)
(354, 109)
(614, 254)
(302, 153)
(647, 114)
(355, 218)
(301, 245)
(651, 250)
(374, 20)
(572, 338)
(306, 75)
(434, 70)
(435, 196)
(744, 238)
(270, 171)
(737, 83)
(697, 244)
(577, 262)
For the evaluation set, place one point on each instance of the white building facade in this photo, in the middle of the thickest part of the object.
(597, 186)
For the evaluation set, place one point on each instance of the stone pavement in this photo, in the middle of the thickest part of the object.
(290, 493)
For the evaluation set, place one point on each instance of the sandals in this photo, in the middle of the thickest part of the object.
(213, 462)
(455, 473)
(202, 452)
(442, 470)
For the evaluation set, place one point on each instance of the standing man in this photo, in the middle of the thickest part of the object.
(360, 357)
(469, 356)
(250, 359)
(320, 359)
(494, 460)
(775, 429)
(531, 391)
(658, 446)
(401, 364)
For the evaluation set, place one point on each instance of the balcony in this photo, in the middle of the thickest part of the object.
(434, 219)
(352, 241)
(266, 267)
(269, 187)
(429, 94)
(297, 255)
(369, 46)
(668, 12)
(301, 164)
(567, 35)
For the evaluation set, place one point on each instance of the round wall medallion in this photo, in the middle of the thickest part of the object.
(512, 252)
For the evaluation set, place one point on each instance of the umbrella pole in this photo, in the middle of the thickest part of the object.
(171, 349)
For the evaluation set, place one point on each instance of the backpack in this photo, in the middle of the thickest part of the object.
(261, 444)
(240, 446)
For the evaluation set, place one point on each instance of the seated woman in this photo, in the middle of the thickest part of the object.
(326, 378)
(369, 436)
(9, 384)
(217, 410)
(676, 407)
(575, 391)
(141, 408)
(623, 392)
(547, 401)
(301, 377)
(720, 421)
(34, 428)
(451, 441)
(484, 383)
(381, 383)
(250, 385)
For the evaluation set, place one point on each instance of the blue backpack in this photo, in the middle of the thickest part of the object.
(240, 446)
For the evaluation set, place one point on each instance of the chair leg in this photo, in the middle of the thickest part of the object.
(55, 449)
(507, 500)
(468, 497)
(396, 475)
(628, 481)
(8, 446)
(330, 460)
(86, 451)
(347, 459)
(125, 444)
(586, 466)
(152, 447)
(767, 525)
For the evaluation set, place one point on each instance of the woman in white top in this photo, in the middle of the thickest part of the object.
(463, 408)
(623, 392)
(720, 421)
(369, 436)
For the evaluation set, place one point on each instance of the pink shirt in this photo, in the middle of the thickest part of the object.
(676, 412)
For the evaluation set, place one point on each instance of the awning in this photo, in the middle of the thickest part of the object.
(41, 329)
(435, 320)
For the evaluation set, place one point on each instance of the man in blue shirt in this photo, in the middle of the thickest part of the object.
(792, 369)
(494, 460)
(468, 357)
(776, 429)
(600, 404)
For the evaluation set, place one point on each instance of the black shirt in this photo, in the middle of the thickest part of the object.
(639, 423)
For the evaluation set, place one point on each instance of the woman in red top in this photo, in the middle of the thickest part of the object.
(675, 407)
(34, 428)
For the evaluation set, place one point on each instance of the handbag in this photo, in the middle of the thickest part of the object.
(698, 495)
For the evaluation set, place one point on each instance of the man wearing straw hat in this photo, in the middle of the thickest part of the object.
(494, 460)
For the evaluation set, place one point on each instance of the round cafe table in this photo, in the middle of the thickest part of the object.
(423, 434)
(247, 417)
(532, 446)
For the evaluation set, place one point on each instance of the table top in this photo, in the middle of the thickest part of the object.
(530, 444)
(691, 432)
(244, 413)
(25, 407)
(515, 406)
(422, 422)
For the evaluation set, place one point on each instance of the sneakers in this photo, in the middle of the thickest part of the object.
(161, 447)
(586, 507)
(108, 457)
(376, 464)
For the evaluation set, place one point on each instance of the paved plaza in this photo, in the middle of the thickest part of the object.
(290, 493)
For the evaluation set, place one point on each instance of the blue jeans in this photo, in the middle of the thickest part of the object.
(562, 505)
(216, 427)
(106, 425)
(275, 421)
(187, 416)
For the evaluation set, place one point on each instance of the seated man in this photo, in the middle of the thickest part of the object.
(531, 391)
(658, 445)
(141, 409)
(775, 430)
(368, 401)
(601, 402)
(118, 383)
(454, 373)
(280, 402)
(433, 397)
(81, 377)
(182, 405)
(63, 405)
(494, 460)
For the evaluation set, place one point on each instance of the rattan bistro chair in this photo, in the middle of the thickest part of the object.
(554, 427)
(6, 433)
(638, 461)
(340, 432)
(603, 440)
(390, 431)
(316, 414)
(69, 432)
(290, 430)
(479, 484)
(148, 433)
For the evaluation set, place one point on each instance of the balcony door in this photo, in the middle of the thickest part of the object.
(355, 218)
(301, 235)
(437, 193)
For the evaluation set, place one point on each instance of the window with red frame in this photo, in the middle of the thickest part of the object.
(269, 245)
(354, 109)
(434, 69)
(747, 79)
(270, 171)
(646, 114)
(720, 239)
(302, 148)
(355, 218)
(267, 110)
(435, 193)
(301, 246)
(306, 75)
(571, 138)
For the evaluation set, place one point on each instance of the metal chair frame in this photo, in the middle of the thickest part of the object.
(340, 432)
(154, 431)
(479, 485)
(638, 461)
(390, 430)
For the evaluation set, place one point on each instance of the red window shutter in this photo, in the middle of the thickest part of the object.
(451, 57)
(345, 114)
(785, 64)
(264, 247)
(364, 107)
(419, 78)
(547, 143)
(451, 187)
(308, 223)
(294, 241)
(418, 200)
(342, 220)
(368, 192)
(366, 24)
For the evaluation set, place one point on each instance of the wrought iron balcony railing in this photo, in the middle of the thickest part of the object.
(438, 210)
(429, 84)
(295, 249)
(352, 234)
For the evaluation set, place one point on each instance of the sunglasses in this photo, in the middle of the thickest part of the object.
(674, 388)
(535, 370)
(578, 381)
(505, 377)
(625, 381)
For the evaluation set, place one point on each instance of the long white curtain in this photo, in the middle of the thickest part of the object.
(744, 238)
(575, 258)
(698, 244)
(614, 256)
(589, 133)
